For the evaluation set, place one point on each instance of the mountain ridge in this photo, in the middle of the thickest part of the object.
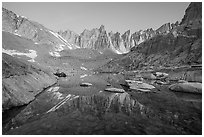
(182, 45)
(96, 38)
(119, 43)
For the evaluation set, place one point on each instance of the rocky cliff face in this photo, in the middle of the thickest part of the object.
(176, 45)
(117, 43)
(88, 38)
(10, 21)
(102, 41)
(193, 13)
(164, 29)
(141, 36)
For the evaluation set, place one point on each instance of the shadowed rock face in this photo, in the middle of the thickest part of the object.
(126, 38)
(181, 45)
(193, 13)
(88, 38)
(141, 36)
(10, 21)
(102, 41)
(164, 29)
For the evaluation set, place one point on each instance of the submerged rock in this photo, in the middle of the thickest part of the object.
(161, 82)
(60, 74)
(85, 84)
(115, 90)
(149, 76)
(182, 81)
(161, 74)
(189, 87)
(140, 86)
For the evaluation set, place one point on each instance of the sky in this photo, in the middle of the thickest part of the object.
(115, 16)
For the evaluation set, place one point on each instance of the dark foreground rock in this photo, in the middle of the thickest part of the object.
(190, 87)
(21, 82)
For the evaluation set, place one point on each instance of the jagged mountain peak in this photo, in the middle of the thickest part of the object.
(127, 32)
(165, 28)
(67, 31)
(11, 13)
(102, 28)
(85, 31)
(117, 33)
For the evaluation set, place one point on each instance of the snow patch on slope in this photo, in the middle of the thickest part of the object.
(118, 52)
(17, 34)
(56, 50)
(32, 53)
(83, 68)
(24, 17)
(82, 76)
(59, 47)
(54, 54)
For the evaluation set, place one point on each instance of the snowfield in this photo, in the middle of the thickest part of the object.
(32, 53)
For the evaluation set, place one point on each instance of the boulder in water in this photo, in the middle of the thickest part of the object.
(161, 82)
(140, 86)
(85, 84)
(189, 87)
(182, 81)
(161, 74)
(60, 74)
(115, 90)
